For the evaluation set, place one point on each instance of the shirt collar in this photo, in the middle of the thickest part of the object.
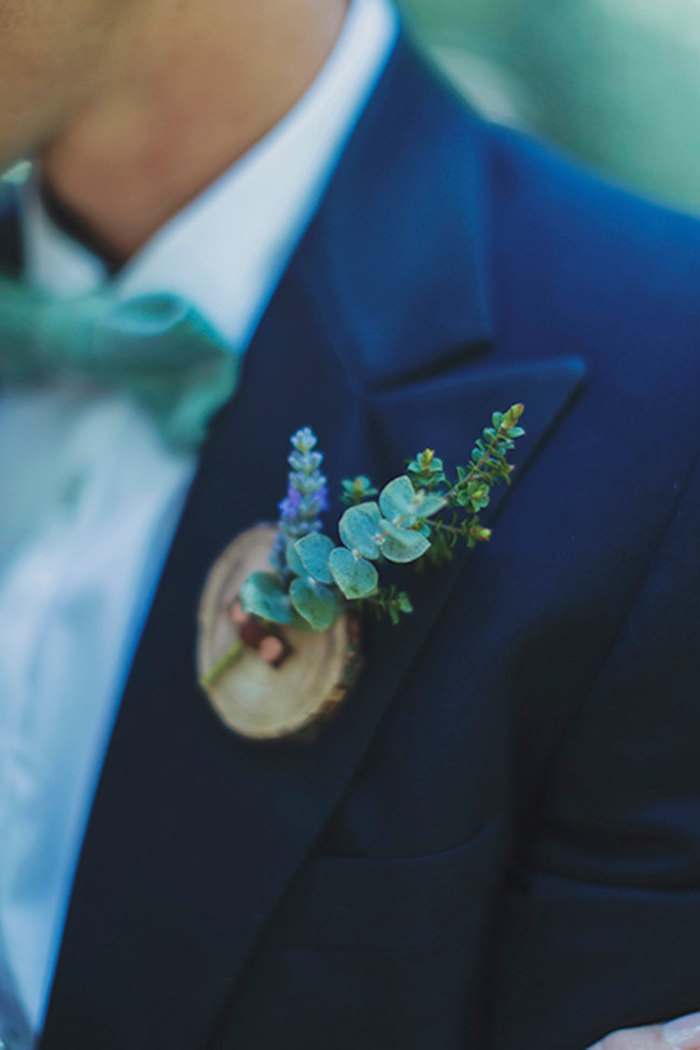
(226, 250)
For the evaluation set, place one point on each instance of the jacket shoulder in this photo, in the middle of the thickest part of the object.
(584, 265)
(591, 230)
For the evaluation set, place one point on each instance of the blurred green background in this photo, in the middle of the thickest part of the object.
(615, 82)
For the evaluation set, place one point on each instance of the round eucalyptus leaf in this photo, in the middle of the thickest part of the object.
(428, 504)
(359, 528)
(397, 500)
(402, 545)
(293, 560)
(262, 595)
(356, 577)
(314, 551)
(319, 605)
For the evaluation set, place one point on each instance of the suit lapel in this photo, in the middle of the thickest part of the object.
(371, 340)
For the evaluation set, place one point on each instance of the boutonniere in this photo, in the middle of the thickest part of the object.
(282, 608)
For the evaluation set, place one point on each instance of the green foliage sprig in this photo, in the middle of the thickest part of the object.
(417, 517)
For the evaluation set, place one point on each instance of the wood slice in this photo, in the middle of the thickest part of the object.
(251, 697)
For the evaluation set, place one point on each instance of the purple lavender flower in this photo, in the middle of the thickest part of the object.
(306, 499)
(289, 507)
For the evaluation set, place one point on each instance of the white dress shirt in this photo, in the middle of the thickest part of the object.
(91, 497)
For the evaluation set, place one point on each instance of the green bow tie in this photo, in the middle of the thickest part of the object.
(155, 347)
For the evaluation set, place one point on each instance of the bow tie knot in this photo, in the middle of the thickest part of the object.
(155, 347)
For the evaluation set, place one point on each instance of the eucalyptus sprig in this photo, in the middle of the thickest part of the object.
(419, 516)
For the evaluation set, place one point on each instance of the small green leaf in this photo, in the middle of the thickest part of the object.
(319, 605)
(402, 545)
(481, 503)
(358, 490)
(262, 594)
(513, 414)
(314, 551)
(359, 528)
(397, 500)
(426, 470)
(356, 577)
(393, 602)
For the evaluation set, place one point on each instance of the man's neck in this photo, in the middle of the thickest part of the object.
(197, 89)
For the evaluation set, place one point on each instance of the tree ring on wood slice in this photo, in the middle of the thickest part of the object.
(251, 697)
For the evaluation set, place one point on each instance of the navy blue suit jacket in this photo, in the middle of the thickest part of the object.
(495, 843)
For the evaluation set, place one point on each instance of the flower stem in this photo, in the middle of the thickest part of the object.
(477, 468)
(215, 673)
